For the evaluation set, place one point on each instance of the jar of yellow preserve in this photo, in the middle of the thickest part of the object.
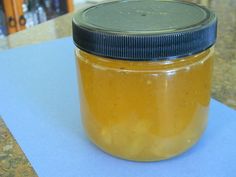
(144, 71)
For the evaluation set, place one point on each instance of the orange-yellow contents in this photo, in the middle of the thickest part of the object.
(144, 111)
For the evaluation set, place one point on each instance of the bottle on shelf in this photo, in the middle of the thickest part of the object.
(49, 9)
(27, 14)
(35, 11)
(40, 11)
(55, 8)
(59, 6)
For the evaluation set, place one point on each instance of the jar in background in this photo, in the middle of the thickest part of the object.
(144, 71)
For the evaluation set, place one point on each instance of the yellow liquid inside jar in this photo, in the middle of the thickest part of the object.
(143, 110)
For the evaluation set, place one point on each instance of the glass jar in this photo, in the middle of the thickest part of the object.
(144, 71)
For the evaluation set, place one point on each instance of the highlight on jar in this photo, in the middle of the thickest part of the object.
(144, 72)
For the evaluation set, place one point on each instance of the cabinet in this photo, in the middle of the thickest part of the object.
(17, 12)
(15, 20)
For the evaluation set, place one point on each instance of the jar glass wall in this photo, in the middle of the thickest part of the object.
(144, 111)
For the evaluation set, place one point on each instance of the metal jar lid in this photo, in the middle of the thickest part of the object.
(144, 30)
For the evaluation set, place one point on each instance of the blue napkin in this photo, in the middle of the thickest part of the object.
(39, 103)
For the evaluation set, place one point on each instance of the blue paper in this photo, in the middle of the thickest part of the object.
(40, 105)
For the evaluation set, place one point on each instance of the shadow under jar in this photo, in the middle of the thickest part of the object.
(144, 71)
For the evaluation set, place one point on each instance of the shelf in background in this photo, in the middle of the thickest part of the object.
(21, 14)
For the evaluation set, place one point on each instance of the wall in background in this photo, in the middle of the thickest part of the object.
(79, 1)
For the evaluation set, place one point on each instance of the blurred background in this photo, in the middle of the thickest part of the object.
(17, 15)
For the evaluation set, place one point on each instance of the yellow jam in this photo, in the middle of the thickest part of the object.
(144, 111)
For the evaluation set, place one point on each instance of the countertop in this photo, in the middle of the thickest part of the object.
(13, 161)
